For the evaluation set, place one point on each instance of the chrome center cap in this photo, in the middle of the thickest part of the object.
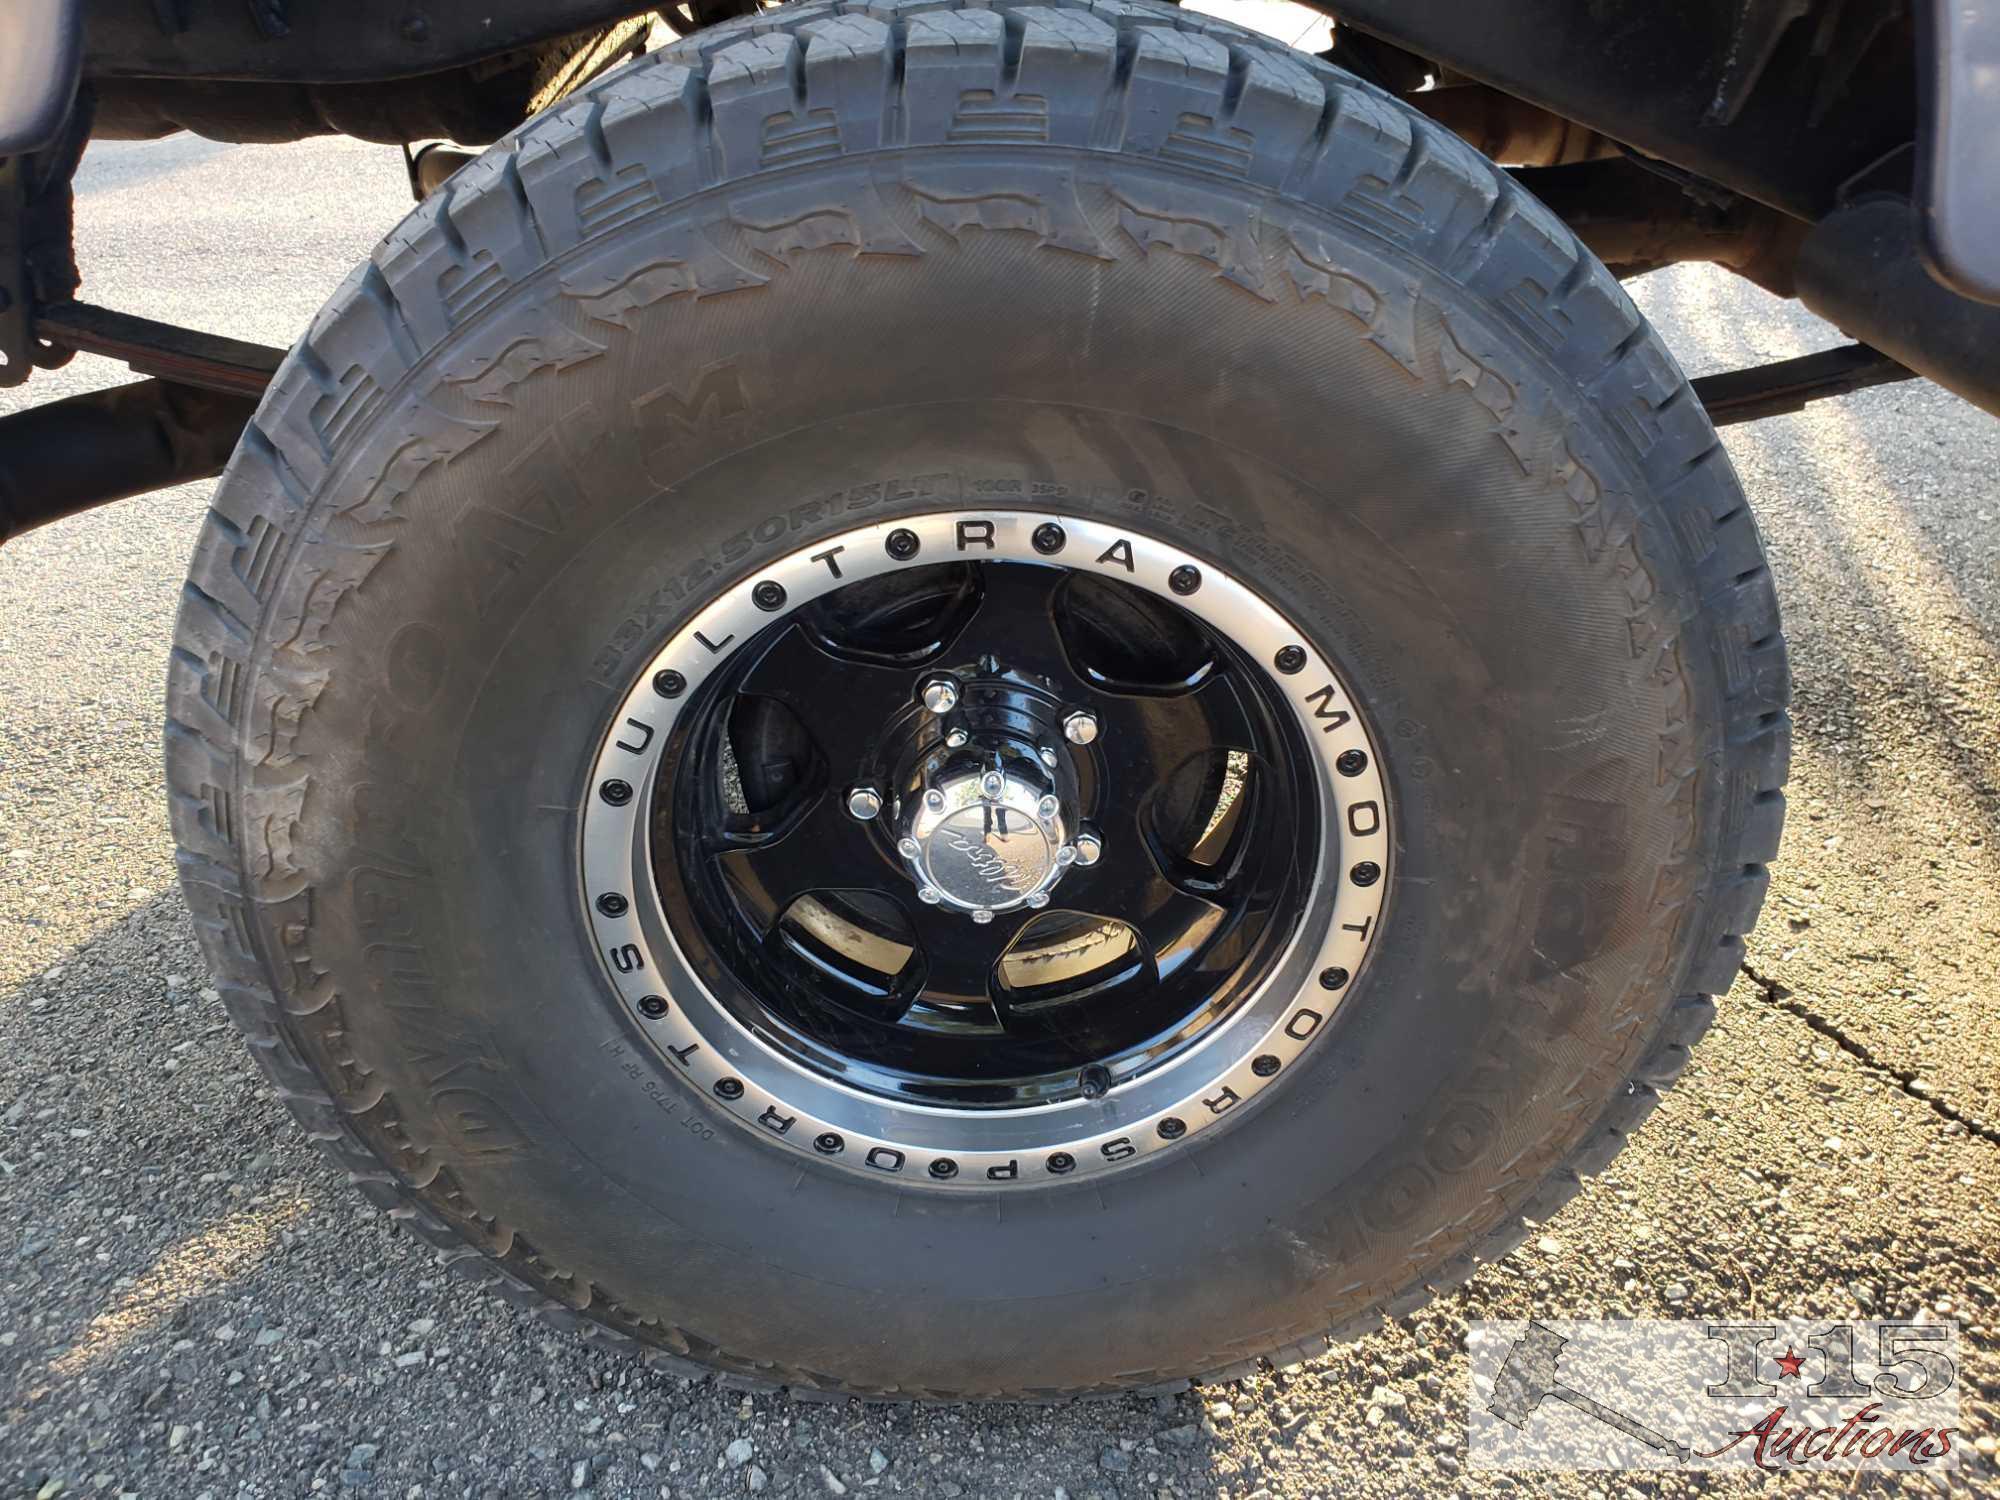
(985, 841)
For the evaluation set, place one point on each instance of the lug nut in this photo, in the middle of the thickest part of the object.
(1080, 727)
(955, 739)
(929, 895)
(1048, 755)
(1048, 807)
(864, 802)
(1088, 849)
(982, 916)
(909, 848)
(941, 695)
(993, 783)
(934, 800)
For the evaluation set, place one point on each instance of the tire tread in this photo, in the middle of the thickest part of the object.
(697, 114)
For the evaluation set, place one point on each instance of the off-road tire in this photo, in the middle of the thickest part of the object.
(1167, 271)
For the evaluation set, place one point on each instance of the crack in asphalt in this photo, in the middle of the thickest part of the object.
(1777, 994)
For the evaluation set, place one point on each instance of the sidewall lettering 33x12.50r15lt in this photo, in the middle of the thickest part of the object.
(815, 278)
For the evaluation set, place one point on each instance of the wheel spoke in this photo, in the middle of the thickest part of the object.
(1173, 924)
(822, 849)
(1124, 866)
(1015, 621)
(1144, 739)
(957, 955)
(1129, 866)
(843, 704)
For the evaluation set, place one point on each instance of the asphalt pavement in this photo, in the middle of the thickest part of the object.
(193, 1304)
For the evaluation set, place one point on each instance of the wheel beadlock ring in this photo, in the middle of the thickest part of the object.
(947, 1149)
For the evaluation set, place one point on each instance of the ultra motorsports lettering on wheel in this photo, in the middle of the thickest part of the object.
(1032, 913)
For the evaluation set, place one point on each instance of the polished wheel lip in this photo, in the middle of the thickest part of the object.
(942, 1148)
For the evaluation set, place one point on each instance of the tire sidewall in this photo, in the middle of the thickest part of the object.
(1496, 654)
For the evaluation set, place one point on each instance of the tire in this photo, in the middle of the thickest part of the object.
(835, 267)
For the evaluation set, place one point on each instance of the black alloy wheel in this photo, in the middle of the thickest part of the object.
(1129, 923)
